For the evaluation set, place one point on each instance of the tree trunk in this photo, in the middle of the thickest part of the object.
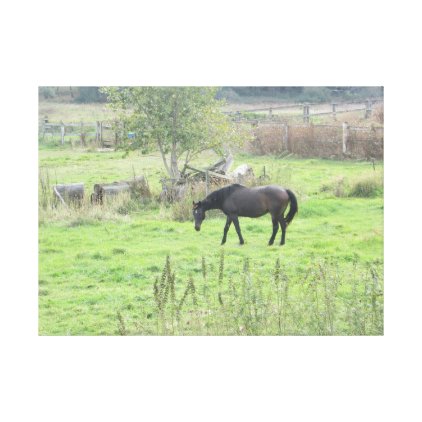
(173, 160)
(163, 156)
(174, 167)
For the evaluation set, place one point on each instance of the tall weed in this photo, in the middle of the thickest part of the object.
(324, 302)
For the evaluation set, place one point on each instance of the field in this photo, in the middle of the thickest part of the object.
(102, 270)
(73, 112)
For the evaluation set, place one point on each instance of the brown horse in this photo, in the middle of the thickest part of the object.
(239, 201)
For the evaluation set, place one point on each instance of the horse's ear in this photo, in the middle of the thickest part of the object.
(194, 204)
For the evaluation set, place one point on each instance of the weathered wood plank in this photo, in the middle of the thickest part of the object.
(211, 173)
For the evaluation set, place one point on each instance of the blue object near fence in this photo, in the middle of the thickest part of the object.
(131, 135)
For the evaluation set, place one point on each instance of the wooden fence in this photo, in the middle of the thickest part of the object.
(324, 141)
(307, 110)
(105, 134)
(270, 137)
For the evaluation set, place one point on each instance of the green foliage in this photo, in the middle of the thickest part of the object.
(180, 122)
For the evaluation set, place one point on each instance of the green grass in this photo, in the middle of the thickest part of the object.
(91, 268)
(90, 271)
(305, 176)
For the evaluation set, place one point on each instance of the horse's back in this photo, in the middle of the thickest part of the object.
(273, 191)
(256, 201)
(276, 197)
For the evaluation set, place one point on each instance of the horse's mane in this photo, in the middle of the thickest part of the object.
(218, 197)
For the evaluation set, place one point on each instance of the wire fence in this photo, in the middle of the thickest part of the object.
(305, 111)
(323, 141)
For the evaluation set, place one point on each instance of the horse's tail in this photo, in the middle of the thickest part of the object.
(293, 206)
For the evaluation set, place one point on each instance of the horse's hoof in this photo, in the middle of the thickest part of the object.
(241, 243)
(270, 243)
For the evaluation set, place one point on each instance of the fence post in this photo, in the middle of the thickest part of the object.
(62, 131)
(44, 128)
(345, 136)
(101, 131)
(270, 113)
(368, 110)
(97, 132)
(306, 113)
(286, 136)
(333, 105)
(82, 134)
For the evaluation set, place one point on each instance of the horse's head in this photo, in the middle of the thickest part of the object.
(198, 214)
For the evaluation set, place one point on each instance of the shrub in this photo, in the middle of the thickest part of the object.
(366, 186)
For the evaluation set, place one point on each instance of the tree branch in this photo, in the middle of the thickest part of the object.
(174, 159)
(196, 153)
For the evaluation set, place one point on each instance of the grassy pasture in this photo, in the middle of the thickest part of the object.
(73, 112)
(97, 269)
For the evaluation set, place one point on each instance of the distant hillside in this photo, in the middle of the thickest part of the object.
(233, 94)
(71, 94)
(296, 94)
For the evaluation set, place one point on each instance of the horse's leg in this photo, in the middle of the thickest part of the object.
(275, 230)
(283, 226)
(236, 225)
(226, 229)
